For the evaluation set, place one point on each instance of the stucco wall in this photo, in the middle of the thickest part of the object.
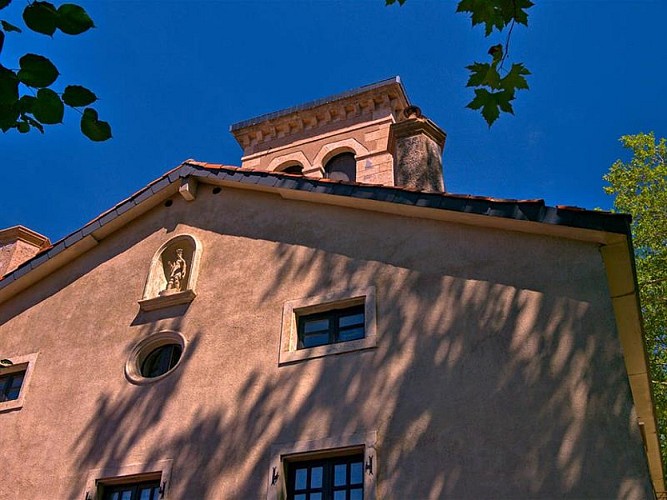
(498, 373)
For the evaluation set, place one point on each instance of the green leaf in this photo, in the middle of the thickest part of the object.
(9, 86)
(73, 19)
(48, 108)
(483, 74)
(8, 27)
(4, 3)
(495, 14)
(515, 78)
(96, 130)
(27, 103)
(37, 71)
(76, 95)
(391, 2)
(23, 127)
(35, 124)
(491, 103)
(9, 113)
(41, 17)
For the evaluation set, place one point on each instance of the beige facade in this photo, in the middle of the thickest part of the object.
(492, 364)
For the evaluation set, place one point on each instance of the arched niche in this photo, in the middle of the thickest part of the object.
(173, 273)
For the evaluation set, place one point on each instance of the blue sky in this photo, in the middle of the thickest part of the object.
(173, 75)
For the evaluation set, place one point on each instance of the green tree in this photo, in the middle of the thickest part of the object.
(494, 85)
(640, 189)
(27, 100)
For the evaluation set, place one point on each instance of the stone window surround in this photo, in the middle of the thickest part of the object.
(321, 448)
(147, 345)
(289, 333)
(97, 477)
(20, 363)
(150, 302)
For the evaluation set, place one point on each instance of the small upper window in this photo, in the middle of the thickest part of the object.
(342, 167)
(10, 386)
(331, 327)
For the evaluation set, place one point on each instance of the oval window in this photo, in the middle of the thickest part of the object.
(155, 357)
(161, 360)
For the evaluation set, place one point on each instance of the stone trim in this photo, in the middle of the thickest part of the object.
(331, 149)
(142, 349)
(283, 452)
(310, 305)
(296, 157)
(27, 363)
(113, 475)
(154, 296)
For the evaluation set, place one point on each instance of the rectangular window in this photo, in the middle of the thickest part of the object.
(145, 490)
(339, 322)
(10, 386)
(340, 478)
(15, 375)
(331, 327)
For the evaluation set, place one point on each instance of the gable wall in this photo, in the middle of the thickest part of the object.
(498, 368)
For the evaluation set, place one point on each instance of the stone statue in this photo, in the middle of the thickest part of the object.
(177, 273)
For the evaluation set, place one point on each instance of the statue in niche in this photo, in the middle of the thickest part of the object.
(177, 273)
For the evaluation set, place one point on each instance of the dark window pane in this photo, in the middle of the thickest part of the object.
(340, 475)
(357, 494)
(352, 320)
(301, 478)
(161, 360)
(351, 334)
(316, 477)
(127, 495)
(316, 340)
(10, 386)
(316, 326)
(356, 473)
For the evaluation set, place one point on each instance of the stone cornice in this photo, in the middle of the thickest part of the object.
(389, 98)
(15, 233)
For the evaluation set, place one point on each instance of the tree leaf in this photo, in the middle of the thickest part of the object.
(9, 86)
(4, 3)
(9, 113)
(495, 14)
(41, 17)
(9, 27)
(491, 103)
(48, 108)
(73, 19)
(35, 124)
(27, 103)
(96, 130)
(37, 71)
(515, 78)
(76, 95)
(23, 127)
(483, 74)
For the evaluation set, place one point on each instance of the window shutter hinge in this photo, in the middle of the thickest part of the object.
(162, 489)
(274, 476)
(369, 465)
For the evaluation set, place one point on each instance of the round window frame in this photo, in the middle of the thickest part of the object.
(144, 348)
